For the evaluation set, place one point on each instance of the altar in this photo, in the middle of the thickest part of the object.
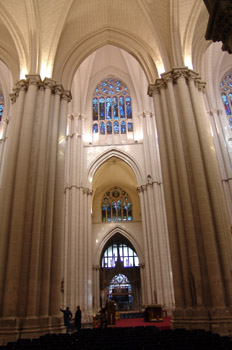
(153, 313)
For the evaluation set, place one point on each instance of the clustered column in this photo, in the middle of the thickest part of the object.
(32, 198)
(158, 265)
(78, 263)
(198, 224)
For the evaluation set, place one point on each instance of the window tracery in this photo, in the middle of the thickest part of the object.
(122, 251)
(116, 206)
(112, 108)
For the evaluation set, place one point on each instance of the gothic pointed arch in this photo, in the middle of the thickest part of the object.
(113, 152)
(65, 70)
(118, 233)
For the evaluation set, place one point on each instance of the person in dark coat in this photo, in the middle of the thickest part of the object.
(67, 317)
(78, 318)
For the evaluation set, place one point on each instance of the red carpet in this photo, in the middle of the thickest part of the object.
(133, 322)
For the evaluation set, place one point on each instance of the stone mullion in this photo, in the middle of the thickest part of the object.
(215, 297)
(8, 178)
(18, 214)
(48, 224)
(147, 296)
(58, 227)
(166, 156)
(217, 198)
(39, 200)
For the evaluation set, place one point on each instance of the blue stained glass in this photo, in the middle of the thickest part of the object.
(111, 86)
(230, 84)
(109, 128)
(225, 89)
(116, 127)
(230, 122)
(130, 127)
(230, 96)
(221, 84)
(105, 90)
(95, 108)
(124, 92)
(97, 90)
(111, 92)
(118, 89)
(108, 108)
(115, 108)
(95, 128)
(104, 208)
(114, 211)
(118, 82)
(104, 83)
(119, 208)
(121, 107)
(98, 94)
(226, 104)
(102, 128)
(108, 212)
(102, 108)
(123, 127)
(128, 107)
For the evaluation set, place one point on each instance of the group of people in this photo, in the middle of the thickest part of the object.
(68, 316)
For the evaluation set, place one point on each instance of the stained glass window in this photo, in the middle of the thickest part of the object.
(1, 106)
(116, 206)
(95, 128)
(121, 250)
(226, 95)
(102, 128)
(123, 127)
(112, 101)
(109, 128)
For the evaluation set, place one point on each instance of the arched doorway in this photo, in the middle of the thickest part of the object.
(120, 274)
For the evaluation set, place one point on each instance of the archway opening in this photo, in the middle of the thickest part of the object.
(120, 275)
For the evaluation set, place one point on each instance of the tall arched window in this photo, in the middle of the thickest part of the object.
(226, 95)
(116, 206)
(112, 108)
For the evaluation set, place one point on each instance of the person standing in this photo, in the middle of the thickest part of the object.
(78, 318)
(67, 318)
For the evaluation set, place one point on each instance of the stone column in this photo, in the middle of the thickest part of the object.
(58, 222)
(195, 220)
(8, 177)
(222, 148)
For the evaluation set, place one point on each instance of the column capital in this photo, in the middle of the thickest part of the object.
(49, 83)
(58, 89)
(167, 77)
(33, 79)
(153, 90)
(96, 267)
(66, 95)
(180, 73)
